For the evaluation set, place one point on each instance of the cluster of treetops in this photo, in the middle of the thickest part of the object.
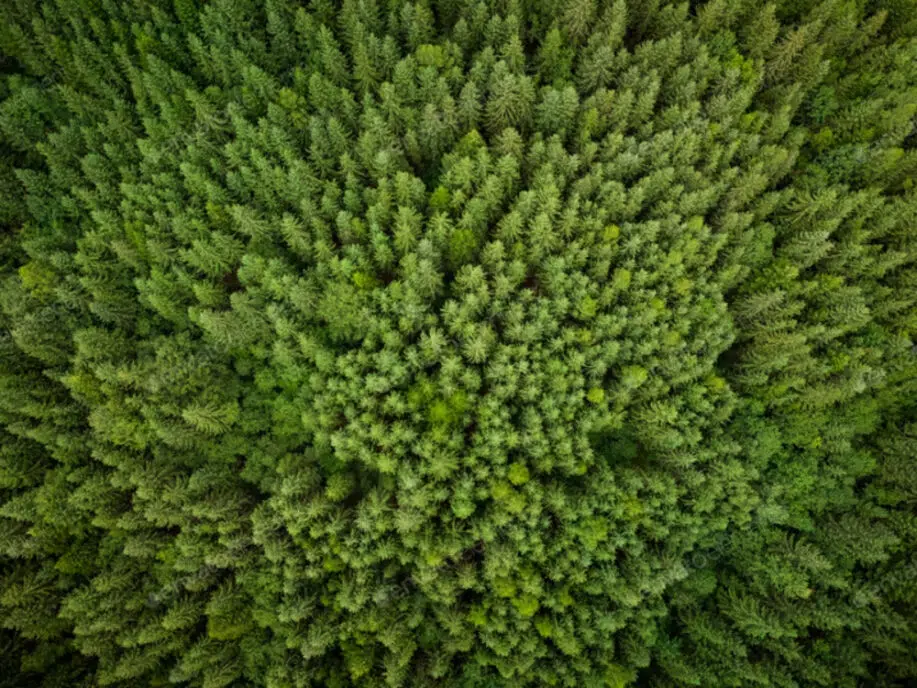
(458, 343)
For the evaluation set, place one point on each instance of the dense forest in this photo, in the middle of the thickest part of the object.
(472, 343)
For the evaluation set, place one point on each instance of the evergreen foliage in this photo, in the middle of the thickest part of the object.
(458, 343)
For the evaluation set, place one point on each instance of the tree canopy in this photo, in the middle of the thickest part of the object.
(473, 343)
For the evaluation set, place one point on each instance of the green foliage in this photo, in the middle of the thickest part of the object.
(458, 343)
